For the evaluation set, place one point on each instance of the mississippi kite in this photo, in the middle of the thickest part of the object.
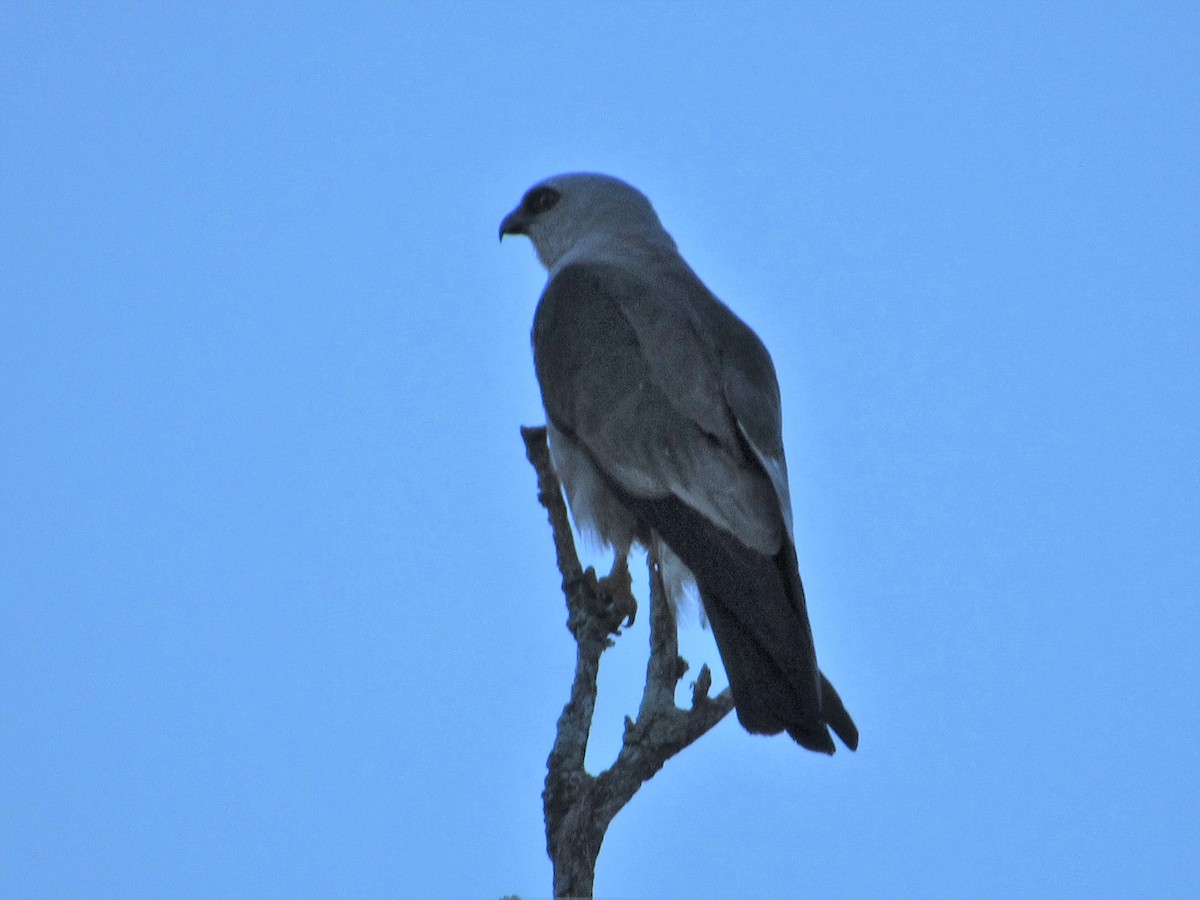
(664, 424)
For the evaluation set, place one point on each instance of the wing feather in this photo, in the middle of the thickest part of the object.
(625, 373)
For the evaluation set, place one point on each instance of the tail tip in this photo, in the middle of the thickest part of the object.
(815, 739)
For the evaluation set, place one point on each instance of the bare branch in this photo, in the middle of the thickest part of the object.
(578, 806)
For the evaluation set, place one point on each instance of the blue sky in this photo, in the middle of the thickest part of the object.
(278, 609)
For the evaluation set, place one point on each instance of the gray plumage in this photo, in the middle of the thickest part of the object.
(665, 428)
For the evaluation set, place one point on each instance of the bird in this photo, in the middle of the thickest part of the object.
(664, 424)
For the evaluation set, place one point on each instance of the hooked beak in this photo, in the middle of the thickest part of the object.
(514, 223)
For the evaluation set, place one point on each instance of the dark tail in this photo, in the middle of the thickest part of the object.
(757, 609)
(768, 699)
(836, 716)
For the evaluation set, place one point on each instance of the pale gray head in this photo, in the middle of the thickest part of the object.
(585, 216)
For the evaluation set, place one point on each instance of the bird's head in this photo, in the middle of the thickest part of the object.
(585, 215)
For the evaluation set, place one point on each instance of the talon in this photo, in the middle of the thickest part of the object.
(617, 590)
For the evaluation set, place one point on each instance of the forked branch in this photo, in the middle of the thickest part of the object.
(579, 806)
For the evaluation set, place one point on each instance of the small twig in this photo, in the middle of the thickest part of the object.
(578, 806)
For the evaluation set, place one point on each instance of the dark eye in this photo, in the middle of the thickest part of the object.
(540, 199)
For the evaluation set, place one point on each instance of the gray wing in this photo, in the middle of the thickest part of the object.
(752, 391)
(669, 392)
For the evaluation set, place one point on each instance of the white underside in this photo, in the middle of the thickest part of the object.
(603, 521)
(680, 584)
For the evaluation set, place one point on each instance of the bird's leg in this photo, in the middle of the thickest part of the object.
(616, 589)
